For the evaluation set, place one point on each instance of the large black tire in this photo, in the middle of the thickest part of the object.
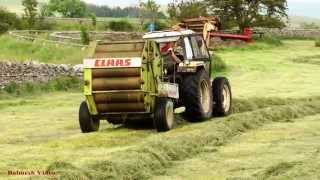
(222, 97)
(164, 115)
(197, 96)
(87, 122)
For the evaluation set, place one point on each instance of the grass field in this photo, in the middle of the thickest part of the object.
(12, 49)
(272, 134)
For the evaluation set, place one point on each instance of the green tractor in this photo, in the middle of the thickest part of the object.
(149, 79)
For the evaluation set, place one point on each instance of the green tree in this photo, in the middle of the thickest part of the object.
(93, 19)
(122, 25)
(4, 27)
(149, 9)
(84, 34)
(68, 8)
(9, 20)
(247, 13)
(45, 10)
(30, 11)
(181, 9)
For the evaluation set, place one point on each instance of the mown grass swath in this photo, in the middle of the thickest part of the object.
(313, 60)
(268, 87)
(271, 40)
(155, 155)
(218, 65)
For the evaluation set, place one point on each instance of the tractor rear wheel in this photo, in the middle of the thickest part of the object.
(164, 115)
(87, 122)
(197, 96)
(222, 97)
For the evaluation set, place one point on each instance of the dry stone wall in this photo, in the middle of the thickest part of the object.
(34, 72)
(291, 33)
(74, 36)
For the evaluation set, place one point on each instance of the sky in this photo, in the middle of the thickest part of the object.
(309, 8)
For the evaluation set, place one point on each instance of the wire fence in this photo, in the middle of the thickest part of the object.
(33, 35)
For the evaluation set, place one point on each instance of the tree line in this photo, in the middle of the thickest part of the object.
(78, 9)
(240, 13)
(232, 13)
(106, 11)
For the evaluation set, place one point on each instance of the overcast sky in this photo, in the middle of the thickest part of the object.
(309, 8)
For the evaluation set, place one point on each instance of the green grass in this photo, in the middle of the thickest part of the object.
(271, 40)
(155, 155)
(12, 49)
(218, 65)
(280, 150)
(28, 89)
(268, 71)
(273, 132)
(314, 59)
(317, 43)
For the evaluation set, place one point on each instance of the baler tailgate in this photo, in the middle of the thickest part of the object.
(116, 90)
(116, 77)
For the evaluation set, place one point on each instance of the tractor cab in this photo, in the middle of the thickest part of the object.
(185, 49)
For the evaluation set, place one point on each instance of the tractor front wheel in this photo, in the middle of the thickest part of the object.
(164, 115)
(88, 123)
(222, 97)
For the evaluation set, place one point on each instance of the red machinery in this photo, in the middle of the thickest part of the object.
(246, 36)
(197, 25)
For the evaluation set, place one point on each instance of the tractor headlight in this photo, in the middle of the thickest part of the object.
(165, 72)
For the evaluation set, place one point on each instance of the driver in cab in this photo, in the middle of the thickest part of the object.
(172, 54)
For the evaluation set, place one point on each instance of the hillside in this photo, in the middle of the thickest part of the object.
(296, 21)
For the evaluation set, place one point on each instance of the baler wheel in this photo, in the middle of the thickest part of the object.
(222, 97)
(87, 122)
(164, 115)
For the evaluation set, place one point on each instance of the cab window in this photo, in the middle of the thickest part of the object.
(199, 48)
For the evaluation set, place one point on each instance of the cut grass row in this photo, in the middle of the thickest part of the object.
(279, 150)
(156, 154)
(44, 128)
(39, 130)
